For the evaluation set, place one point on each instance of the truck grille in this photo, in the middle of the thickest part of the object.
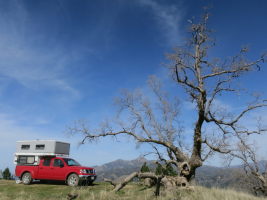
(90, 171)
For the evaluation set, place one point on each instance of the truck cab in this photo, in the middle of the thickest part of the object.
(56, 168)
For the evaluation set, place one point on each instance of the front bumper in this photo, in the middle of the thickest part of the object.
(88, 177)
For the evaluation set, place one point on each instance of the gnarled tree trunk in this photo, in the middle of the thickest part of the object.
(118, 186)
(169, 182)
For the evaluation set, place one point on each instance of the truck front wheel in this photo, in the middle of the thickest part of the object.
(73, 180)
(26, 178)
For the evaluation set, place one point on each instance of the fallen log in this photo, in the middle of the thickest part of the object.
(118, 186)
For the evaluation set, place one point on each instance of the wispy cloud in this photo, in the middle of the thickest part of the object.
(27, 62)
(168, 18)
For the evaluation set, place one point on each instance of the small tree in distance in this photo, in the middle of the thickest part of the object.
(159, 170)
(145, 168)
(6, 174)
(166, 170)
(169, 171)
(157, 121)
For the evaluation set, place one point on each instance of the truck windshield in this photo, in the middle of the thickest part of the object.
(71, 162)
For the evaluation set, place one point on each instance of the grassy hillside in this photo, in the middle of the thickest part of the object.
(101, 191)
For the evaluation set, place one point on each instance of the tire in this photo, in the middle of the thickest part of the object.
(90, 182)
(26, 178)
(73, 180)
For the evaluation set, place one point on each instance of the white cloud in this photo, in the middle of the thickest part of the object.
(168, 17)
(27, 62)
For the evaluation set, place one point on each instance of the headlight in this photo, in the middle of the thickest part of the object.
(83, 171)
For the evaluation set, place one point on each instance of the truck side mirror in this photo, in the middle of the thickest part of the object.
(61, 165)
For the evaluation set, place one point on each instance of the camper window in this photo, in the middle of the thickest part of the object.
(30, 159)
(40, 147)
(22, 160)
(26, 160)
(25, 147)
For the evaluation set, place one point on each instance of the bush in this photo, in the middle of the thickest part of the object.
(6, 174)
(145, 168)
(168, 170)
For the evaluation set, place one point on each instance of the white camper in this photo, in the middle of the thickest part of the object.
(29, 151)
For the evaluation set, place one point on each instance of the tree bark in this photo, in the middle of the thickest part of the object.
(123, 183)
(157, 191)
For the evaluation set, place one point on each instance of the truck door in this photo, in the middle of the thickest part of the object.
(59, 169)
(45, 171)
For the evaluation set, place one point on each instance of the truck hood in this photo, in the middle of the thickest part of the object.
(81, 167)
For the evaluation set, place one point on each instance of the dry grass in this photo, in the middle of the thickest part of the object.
(102, 191)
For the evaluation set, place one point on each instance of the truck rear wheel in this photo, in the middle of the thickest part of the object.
(73, 180)
(26, 178)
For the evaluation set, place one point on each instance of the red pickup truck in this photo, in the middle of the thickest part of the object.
(56, 168)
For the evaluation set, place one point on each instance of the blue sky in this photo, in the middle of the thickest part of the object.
(63, 60)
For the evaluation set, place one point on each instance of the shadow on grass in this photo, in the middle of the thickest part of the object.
(48, 182)
(143, 188)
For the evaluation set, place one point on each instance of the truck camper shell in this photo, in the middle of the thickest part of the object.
(29, 151)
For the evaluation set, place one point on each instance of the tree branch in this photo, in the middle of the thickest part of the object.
(217, 149)
(245, 67)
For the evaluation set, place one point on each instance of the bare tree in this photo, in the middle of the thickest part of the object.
(155, 123)
(255, 169)
(203, 80)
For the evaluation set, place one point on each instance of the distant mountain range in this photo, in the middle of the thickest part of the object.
(209, 176)
(115, 169)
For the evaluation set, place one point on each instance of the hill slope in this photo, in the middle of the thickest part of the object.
(9, 190)
(118, 168)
